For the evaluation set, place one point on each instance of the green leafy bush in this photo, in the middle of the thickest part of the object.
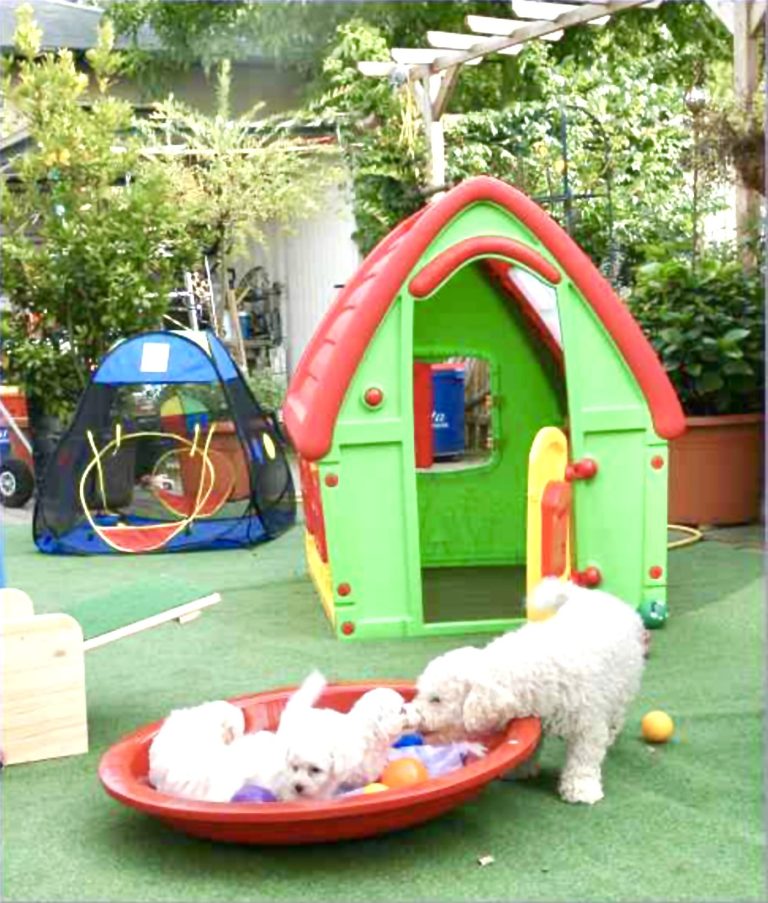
(706, 323)
(94, 238)
(268, 387)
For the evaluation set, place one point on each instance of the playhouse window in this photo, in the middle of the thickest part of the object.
(453, 413)
(542, 299)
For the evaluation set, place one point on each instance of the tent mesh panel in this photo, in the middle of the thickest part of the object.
(154, 471)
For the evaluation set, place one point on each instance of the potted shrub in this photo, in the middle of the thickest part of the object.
(705, 320)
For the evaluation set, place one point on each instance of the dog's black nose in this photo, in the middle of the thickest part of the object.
(299, 788)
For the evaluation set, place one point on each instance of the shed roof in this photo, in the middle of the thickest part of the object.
(66, 24)
(334, 353)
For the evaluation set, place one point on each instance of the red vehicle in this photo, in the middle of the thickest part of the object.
(17, 480)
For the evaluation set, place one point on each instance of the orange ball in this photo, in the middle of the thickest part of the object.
(403, 773)
(657, 727)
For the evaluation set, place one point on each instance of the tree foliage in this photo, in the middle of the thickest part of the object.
(240, 174)
(94, 239)
(621, 86)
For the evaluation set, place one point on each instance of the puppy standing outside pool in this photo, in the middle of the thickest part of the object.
(577, 671)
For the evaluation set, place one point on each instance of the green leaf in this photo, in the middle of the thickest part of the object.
(740, 367)
(709, 382)
(736, 334)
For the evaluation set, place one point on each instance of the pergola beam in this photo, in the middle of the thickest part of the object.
(534, 9)
(746, 76)
(578, 16)
(448, 82)
(454, 40)
(490, 25)
(432, 73)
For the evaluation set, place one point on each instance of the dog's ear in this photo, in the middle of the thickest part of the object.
(484, 707)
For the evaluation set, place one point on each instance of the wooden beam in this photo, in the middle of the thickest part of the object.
(578, 16)
(448, 82)
(451, 40)
(375, 68)
(434, 132)
(534, 9)
(745, 82)
(180, 613)
(490, 25)
(723, 11)
(415, 56)
(757, 15)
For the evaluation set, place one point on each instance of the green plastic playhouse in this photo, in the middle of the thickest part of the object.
(396, 550)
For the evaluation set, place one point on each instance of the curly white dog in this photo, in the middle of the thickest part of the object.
(327, 750)
(203, 752)
(577, 670)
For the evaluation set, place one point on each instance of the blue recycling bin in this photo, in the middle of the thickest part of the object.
(246, 326)
(447, 410)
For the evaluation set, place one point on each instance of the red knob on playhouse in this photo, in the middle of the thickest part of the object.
(373, 397)
(589, 577)
(584, 469)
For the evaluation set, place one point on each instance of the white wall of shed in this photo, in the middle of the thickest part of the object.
(310, 260)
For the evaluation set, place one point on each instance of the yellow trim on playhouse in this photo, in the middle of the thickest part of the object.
(547, 461)
(320, 572)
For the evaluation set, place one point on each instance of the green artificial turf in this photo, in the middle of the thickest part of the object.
(679, 822)
(132, 602)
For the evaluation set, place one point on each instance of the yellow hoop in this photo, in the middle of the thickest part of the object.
(225, 496)
(692, 536)
(183, 524)
(99, 471)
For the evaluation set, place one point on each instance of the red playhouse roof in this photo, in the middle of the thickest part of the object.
(332, 356)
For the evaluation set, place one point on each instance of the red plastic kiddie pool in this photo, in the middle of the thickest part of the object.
(123, 772)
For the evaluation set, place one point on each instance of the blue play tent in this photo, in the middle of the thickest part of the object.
(168, 450)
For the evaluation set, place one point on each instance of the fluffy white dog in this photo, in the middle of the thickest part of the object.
(189, 755)
(328, 750)
(203, 752)
(577, 670)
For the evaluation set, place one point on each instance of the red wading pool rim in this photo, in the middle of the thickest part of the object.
(334, 352)
(123, 772)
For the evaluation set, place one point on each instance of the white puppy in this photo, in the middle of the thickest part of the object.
(328, 750)
(577, 670)
(189, 757)
(203, 752)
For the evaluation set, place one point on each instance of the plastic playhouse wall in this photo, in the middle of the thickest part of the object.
(383, 521)
(477, 515)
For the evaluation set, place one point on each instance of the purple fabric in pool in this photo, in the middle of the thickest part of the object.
(252, 793)
(440, 760)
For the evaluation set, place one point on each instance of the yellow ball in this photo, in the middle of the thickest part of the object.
(657, 727)
(374, 788)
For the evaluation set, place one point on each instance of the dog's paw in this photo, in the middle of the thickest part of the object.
(581, 790)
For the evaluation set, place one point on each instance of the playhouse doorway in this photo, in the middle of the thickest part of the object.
(472, 500)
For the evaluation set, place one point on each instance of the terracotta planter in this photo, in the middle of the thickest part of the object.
(716, 470)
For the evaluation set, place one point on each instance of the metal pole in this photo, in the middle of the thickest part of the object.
(191, 308)
(567, 200)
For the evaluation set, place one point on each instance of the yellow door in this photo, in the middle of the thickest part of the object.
(548, 543)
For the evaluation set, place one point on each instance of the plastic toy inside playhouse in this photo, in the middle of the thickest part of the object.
(477, 412)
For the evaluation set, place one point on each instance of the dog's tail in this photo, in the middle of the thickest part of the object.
(550, 594)
(304, 697)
